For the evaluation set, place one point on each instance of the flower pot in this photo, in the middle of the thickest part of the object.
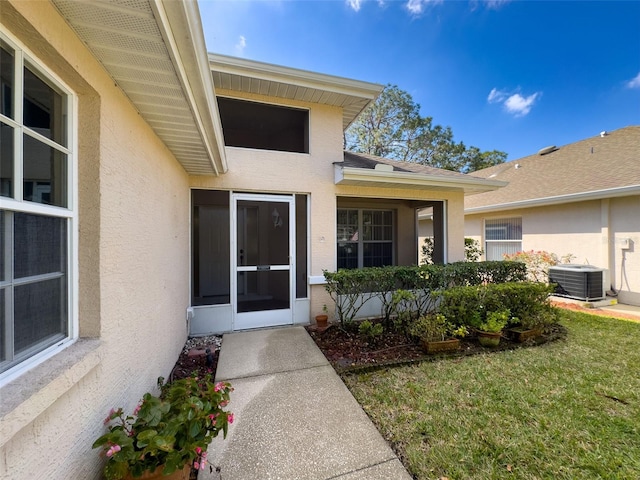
(157, 474)
(521, 335)
(441, 346)
(321, 321)
(489, 339)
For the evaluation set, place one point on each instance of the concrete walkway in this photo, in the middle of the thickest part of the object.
(294, 418)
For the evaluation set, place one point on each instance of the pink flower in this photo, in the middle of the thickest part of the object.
(113, 450)
(196, 465)
(108, 419)
(230, 418)
(224, 403)
(198, 450)
(213, 417)
(219, 386)
(137, 409)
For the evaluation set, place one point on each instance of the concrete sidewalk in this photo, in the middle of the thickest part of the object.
(294, 418)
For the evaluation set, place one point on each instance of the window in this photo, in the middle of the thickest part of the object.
(365, 238)
(36, 217)
(262, 126)
(502, 235)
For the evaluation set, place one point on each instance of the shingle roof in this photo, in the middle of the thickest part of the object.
(597, 164)
(363, 160)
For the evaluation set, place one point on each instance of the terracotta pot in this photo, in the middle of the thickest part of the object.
(489, 339)
(321, 320)
(157, 474)
(520, 335)
(441, 346)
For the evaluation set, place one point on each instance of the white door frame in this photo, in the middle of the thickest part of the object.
(262, 318)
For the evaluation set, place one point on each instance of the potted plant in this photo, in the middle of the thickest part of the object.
(436, 334)
(490, 330)
(530, 327)
(167, 434)
(322, 319)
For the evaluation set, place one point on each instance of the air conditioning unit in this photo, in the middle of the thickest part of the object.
(582, 282)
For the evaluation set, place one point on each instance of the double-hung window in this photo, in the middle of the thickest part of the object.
(36, 210)
(502, 235)
(365, 238)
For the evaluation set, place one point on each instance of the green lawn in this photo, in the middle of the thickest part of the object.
(568, 410)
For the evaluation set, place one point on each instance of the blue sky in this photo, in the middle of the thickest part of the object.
(514, 76)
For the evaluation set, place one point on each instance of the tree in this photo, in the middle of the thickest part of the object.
(392, 127)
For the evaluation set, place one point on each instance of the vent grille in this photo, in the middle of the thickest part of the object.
(581, 282)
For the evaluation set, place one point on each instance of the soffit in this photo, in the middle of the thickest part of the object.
(151, 48)
(251, 77)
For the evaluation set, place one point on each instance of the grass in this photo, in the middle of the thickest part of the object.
(568, 410)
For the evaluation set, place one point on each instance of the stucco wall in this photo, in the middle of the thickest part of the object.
(313, 174)
(592, 232)
(133, 269)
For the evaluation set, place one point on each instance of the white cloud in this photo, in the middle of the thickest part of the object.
(496, 95)
(634, 82)
(514, 103)
(495, 4)
(519, 105)
(242, 43)
(354, 5)
(416, 7)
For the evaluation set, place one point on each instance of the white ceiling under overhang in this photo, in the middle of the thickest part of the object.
(155, 52)
(251, 77)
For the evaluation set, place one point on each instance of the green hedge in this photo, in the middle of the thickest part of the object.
(526, 302)
(351, 289)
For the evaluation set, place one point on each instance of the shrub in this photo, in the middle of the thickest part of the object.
(526, 302)
(351, 289)
(372, 331)
(538, 263)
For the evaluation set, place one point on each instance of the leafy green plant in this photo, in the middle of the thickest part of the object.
(402, 302)
(435, 327)
(527, 303)
(495, 321)
(371, 331)
(170, 430)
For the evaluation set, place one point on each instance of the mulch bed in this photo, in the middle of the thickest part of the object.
(348, 352)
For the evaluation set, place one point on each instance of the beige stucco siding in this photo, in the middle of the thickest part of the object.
(592, 232)
(625, 262)
(133, 269)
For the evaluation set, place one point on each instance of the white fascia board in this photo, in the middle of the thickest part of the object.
(364, 175)
(559, 199)
(181, 26)
(294, 76)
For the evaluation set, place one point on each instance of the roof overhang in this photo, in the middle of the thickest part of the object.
(415, 181)
(155, 51)
(559, 199)
(251, 77)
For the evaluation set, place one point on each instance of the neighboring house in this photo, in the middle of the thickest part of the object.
(148, 190)
(581, 199)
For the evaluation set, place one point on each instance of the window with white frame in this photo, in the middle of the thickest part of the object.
(365, 238)
(502, 235)
(36, 213)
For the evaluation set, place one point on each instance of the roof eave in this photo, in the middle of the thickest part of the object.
(558, 199)
(378, 178)
(181, 26)
(361, 92)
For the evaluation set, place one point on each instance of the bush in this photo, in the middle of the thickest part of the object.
(372, 331)
(351, 289)
(526, 302)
